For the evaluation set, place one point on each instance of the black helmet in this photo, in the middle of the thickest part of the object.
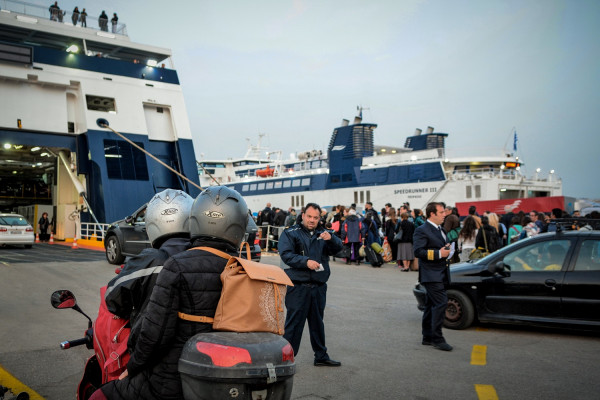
(219, 212)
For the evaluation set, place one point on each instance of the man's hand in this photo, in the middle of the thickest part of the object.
(325, 235)
(445, 251)
(312, 264)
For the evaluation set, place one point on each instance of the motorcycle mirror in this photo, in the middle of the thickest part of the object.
(63, 299)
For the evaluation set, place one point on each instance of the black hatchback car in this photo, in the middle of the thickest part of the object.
(552, 279)
(127, 237)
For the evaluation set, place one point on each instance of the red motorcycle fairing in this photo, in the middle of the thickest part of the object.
(91, 379)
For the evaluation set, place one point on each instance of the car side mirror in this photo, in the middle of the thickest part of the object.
(498, 268)
(63, 299)
(129, 220)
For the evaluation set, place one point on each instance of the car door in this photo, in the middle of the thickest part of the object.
(532, 288)
(581, 288)
(135, 238)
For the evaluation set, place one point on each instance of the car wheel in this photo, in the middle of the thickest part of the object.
(113, 251)
(460, 311)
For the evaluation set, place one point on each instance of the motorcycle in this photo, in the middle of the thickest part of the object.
(216, 365)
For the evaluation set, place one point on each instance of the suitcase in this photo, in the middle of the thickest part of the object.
(374, 258)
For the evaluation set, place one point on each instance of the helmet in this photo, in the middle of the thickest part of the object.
(219, 212)
(167, 214)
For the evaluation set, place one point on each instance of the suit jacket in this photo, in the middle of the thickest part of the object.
(427, 242)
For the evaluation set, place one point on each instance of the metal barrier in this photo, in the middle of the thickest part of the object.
(93, 231)
(269, 236)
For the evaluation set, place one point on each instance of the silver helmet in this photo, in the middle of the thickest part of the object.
(219, 212)
(167, 214)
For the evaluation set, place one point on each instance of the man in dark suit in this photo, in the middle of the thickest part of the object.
(432, 249)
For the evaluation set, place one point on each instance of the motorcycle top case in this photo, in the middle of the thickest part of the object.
(223, 365)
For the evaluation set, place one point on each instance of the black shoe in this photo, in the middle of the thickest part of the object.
(442, 346)
(327, 363)
(426, 342)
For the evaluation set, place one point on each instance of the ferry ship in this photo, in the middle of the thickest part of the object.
(355, 170)
(57, 79)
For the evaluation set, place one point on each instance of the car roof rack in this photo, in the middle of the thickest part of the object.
(575, 224)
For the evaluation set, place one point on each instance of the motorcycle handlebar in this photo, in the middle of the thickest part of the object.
(77, 342)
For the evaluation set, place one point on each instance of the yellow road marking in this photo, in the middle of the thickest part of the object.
(486, 392)
(15, 386)
(478, 355)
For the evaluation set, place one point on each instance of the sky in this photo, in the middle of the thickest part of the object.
(477, 70)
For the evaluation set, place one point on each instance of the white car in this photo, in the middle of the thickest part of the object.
(14, 229)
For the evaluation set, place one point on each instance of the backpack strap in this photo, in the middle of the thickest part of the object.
(195, 318)
(216, 252)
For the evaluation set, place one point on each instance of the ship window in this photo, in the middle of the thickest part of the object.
(306, 182)
(296, 182)
(253, 187)
(368, 195)
(478, 191)
(469, 192)
(278, 185)
(98, 103)
(347, 178)
(287, 184)
(244, 188)
(261, 186)
(302, 199)
(355, 197)
(123, 161)
(362, 197)
(334, 178)
(269, 185)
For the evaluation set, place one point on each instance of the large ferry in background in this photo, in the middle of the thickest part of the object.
(57, 79)
(355, 170)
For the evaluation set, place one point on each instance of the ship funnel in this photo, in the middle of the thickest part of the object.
(430, 129)
(345, 122)
(357, 120)
(418, 132)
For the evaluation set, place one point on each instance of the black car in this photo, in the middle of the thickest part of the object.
(551, 279)
(128, 237)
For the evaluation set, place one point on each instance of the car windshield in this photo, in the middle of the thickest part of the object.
(13, 220)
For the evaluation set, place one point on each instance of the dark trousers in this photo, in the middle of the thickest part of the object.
(435, 311)
(306, 302)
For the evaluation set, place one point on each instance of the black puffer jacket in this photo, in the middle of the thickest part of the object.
(128, 293)
(189, 282)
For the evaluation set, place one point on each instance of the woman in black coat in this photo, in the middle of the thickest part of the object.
(491, 236)
(405, 244)
(390, 231)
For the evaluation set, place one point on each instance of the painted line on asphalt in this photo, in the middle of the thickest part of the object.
(16, 386)
(478, 355)
(486, 392)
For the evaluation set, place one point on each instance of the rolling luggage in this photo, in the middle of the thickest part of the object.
(374, 258)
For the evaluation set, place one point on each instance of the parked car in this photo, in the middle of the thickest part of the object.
(127, 237)
(14, 229)
(551, 279)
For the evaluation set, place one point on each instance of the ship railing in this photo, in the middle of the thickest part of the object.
(64, 16)
(93, 231)
(268, 236)
(491, 173)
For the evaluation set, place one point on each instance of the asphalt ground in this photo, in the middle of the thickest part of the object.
(372, 326)
(44, 252)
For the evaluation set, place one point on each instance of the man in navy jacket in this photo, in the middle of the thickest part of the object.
(432, 248)
(304, 250)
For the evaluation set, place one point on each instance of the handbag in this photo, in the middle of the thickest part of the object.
(398, 235)
(478, 253)
(387, 251)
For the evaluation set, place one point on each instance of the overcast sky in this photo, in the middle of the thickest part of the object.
(473, 69)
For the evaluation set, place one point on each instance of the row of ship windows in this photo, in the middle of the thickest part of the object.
(276, 184)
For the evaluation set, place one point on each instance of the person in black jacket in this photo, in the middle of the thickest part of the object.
(432, 249)
(167, 226)
(490, 242)
(305, 249)
(187, 291)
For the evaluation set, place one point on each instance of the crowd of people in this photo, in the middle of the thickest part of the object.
(56, 14)
(393, 229)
